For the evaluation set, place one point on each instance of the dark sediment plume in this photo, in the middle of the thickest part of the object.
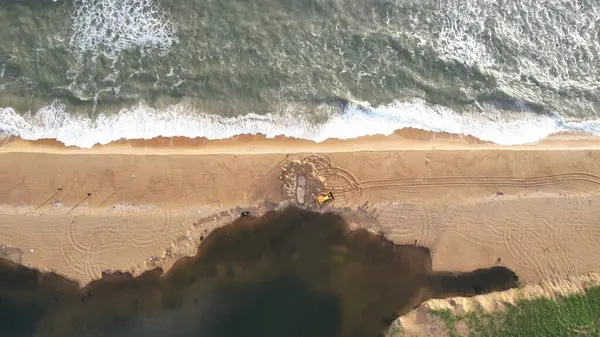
(287, 273)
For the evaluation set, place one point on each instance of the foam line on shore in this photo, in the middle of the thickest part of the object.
(355, 120)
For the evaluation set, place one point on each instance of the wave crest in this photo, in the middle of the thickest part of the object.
(112, 26)
(355, 120)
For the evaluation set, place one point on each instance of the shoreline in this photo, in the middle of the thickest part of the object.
(403, 139)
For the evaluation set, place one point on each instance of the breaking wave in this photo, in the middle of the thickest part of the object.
(355, 120)
(528, 45)
(113, 26)
(105, 29)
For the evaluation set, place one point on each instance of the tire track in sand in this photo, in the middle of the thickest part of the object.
(74, 245)
(351, 186)
(577, 181)
(132, 239)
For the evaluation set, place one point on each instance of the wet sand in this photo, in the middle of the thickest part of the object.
(283, 274)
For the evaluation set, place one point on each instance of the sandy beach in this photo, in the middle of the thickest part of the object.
(127, 205)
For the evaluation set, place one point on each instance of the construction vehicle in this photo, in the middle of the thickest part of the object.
(324, 197)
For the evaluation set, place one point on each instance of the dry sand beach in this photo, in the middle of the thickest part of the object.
(132, 205)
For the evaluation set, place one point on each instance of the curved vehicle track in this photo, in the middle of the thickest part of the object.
(588, 182)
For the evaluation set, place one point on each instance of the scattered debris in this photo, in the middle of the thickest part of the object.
(499, 193)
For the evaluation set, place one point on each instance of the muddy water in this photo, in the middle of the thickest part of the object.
(287, 273)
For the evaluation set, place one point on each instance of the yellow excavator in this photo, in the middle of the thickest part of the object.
(324, 197)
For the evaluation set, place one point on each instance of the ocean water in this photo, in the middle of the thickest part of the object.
(89, 72)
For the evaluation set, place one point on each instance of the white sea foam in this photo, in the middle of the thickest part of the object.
(141, 122)
(554, 41)
(113, 26)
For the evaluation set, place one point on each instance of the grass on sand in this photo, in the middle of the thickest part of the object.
(574, 315)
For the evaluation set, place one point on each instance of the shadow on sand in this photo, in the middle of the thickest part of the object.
(287, 273)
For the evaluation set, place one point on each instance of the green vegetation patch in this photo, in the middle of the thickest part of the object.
(574, 315)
